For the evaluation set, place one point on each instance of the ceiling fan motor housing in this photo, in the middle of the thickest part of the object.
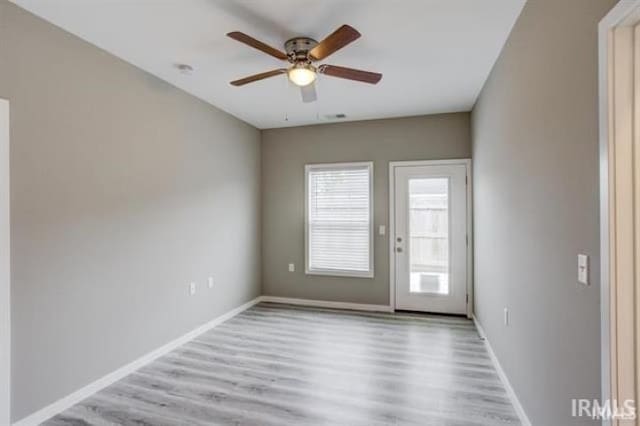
(298, 49)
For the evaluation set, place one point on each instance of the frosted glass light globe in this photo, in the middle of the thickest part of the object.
(302, 75)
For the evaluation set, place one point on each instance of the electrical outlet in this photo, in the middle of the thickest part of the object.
(292, 267)
(210, 282)
(192, 289)
(506, 317)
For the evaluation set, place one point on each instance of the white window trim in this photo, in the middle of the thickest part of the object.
(338, 272)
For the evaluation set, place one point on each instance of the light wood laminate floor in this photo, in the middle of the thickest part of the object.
(275, 365)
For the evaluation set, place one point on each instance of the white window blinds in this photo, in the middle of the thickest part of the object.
(339, 231)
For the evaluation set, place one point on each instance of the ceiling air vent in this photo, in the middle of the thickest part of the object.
(335, 116)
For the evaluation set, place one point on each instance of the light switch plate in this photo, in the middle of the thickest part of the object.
(292, 267)
(382, 230)
(192, 289)
(210, 282)
(583, 269)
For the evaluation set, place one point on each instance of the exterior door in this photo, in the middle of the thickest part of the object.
(430, 241)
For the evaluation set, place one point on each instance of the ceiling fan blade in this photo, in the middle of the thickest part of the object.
(257, 77)
(350, 73)
(334, 42)
(308, 93)
(257, 44)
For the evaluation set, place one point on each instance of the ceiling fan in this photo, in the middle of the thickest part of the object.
(302, 52)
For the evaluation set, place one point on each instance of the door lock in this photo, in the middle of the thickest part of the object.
(399, 249)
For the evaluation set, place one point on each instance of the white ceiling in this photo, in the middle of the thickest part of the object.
(435, 54)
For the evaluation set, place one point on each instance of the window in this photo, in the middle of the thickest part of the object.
(339, 222)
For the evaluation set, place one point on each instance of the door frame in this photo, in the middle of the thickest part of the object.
(619, 135)
(5, 267)
(392, 224)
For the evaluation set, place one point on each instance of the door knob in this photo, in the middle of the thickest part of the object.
(399, 249)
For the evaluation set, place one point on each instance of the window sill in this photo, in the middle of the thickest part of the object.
(347, 274)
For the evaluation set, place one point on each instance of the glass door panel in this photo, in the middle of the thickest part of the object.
(429, 235)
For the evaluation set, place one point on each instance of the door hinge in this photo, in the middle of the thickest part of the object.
(467, 297)
(466, 238)
(466, 179)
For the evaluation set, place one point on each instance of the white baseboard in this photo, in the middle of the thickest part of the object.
(524, 419)
(327, 304)
(68, 401)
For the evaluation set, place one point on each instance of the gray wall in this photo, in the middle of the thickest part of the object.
(123, 190)
(5, 273)
(284, 154)
(535, 151)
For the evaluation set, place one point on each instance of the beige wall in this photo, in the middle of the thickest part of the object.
(123, 190)
(535, 151)
(284, 154)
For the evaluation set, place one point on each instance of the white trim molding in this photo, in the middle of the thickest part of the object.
(68, 401)
(522, 415)
(327, 304)
(619, 129)
(469, 196)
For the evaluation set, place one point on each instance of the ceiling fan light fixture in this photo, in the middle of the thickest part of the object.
(302, 53)
(302, 74)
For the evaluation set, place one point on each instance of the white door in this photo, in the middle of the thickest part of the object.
(430, 237)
